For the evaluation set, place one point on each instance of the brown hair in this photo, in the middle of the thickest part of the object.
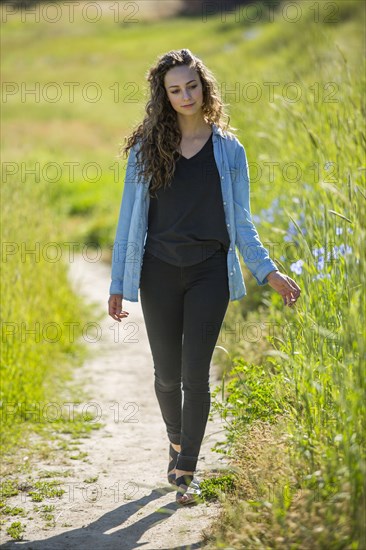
(159, 132)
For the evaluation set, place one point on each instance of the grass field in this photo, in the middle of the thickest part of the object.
(296, 395)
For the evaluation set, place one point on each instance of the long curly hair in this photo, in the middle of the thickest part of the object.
(159, 133)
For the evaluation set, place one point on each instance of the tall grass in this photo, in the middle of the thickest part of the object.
(319, 500)
(42, 320)
(326, 345)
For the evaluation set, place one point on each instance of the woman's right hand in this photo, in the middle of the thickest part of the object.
(115, 307)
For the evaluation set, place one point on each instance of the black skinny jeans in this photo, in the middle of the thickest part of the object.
(183, 309)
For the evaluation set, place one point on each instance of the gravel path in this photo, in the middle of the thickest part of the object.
(130, 505)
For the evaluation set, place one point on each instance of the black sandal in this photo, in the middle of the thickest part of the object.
(173, 455)
(189, 491)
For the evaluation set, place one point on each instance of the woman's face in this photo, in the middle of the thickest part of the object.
(183, 87)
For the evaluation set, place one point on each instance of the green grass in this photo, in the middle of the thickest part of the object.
(39, 351)
(16, 530)
(46, 489)
(39, 308)
(320, 349)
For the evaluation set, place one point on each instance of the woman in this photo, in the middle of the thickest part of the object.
(185, 208)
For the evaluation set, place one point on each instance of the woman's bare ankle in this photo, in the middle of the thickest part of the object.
(176, 447)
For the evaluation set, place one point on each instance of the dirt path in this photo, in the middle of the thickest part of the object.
(130, 505)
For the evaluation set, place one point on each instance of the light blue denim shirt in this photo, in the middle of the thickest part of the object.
(129, 244)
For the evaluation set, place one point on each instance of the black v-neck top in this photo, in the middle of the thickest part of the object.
(186, 222)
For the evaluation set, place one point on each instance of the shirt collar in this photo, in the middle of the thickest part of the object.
(217, 130)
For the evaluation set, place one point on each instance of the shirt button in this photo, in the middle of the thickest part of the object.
(228, 224)
(224, 202)
(222, 177)
(231, 273)
(230, 248)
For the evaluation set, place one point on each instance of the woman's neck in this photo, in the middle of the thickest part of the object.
(193, 129)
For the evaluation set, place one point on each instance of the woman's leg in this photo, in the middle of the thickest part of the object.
(162, 297)
(189, 301)
(206, 300)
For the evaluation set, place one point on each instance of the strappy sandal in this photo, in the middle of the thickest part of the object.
(173, 455)
(189, 491)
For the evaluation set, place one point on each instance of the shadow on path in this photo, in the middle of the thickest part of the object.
(94, 536)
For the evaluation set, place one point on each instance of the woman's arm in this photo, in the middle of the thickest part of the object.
(254, 254)
(247, 239)
(123, 226)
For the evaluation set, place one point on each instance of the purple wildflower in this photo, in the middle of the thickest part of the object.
(317, 251)
(320, 265)
(296, 267)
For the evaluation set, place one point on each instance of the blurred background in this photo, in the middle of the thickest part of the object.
(293, 77)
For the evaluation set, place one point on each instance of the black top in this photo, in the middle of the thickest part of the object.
(186, 222)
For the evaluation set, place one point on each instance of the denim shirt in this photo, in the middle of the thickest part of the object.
(129, 244)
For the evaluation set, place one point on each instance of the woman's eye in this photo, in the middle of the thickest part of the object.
(191, 87)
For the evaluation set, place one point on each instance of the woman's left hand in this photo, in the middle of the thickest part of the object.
(285, 286)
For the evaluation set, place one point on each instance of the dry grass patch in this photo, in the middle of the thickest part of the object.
(269, 508)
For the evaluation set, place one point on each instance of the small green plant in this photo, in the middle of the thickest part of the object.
(12, 511)
(47, 508)
(79, 456)
(45, 511)
(91, 479)
(16, 530)
(253, 392)
(53, 473)
(213, 487)
(9, 488)
(46, 489)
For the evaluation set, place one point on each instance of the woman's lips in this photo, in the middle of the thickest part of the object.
(190, 105)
